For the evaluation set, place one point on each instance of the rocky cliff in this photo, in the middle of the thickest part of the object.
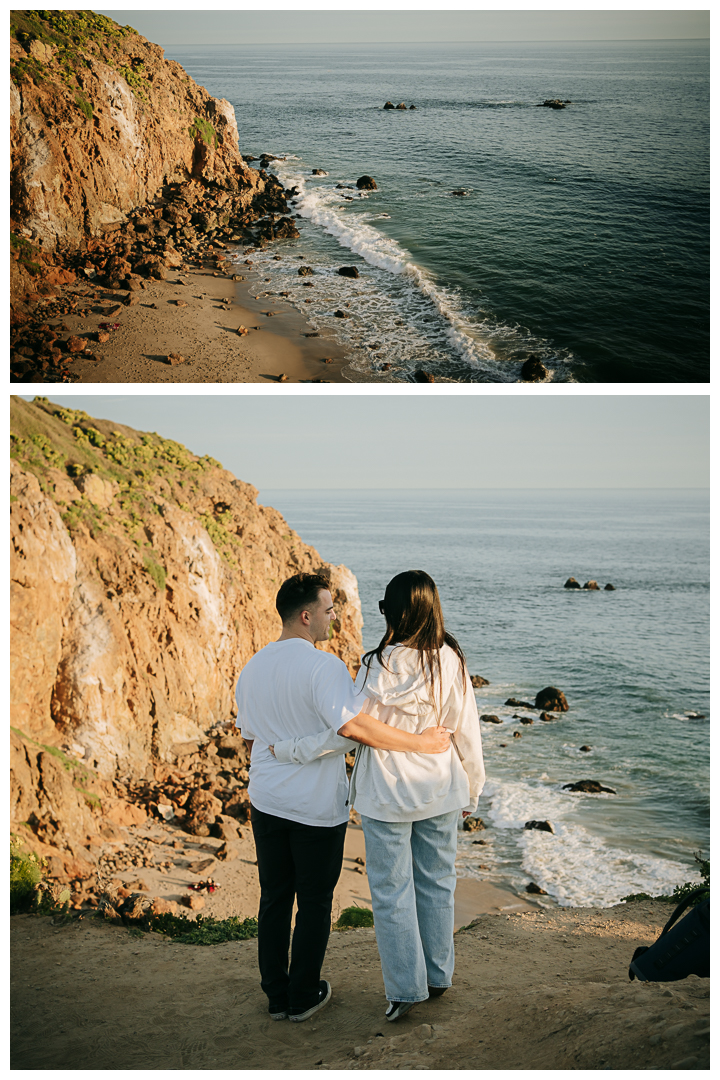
(101, 125)
(143, 578)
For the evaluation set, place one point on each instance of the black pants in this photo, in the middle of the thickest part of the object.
(303, 861)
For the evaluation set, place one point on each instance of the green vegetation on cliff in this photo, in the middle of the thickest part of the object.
(62, 446)
(204, 130)
(59, 44)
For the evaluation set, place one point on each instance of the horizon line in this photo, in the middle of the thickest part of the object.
(474, 41)
(504, 487)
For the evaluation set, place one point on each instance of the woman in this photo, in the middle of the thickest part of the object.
(410, 802)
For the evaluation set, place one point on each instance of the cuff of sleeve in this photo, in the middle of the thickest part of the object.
(283, 751)
(469, 809)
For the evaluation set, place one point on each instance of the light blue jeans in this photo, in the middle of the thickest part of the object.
(411, 871)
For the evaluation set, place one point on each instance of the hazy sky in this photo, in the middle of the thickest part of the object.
(227, 27)
(391, 441)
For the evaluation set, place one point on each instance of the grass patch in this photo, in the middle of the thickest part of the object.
(84, 106)
(353, 917)
(204, 130)
(203, 930)
(156, 572)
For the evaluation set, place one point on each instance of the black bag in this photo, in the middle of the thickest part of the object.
(681, 950)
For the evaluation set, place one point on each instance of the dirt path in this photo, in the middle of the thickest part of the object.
(533, 990)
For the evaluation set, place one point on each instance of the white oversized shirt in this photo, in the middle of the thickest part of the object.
(391, 785)
(288, 690)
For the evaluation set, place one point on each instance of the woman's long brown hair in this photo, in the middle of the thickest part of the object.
(414, 618)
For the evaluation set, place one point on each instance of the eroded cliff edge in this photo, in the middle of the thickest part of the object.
(143, 578)
(101, 125)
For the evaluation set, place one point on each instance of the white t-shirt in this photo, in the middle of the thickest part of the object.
(287, 690)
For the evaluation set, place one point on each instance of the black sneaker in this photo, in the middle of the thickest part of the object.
(436, 991)
(324, 994)
(397, 1009)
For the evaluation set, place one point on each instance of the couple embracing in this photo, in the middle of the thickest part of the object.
(412, 718)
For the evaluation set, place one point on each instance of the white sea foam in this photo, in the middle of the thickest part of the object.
(574, 866)
(435, 325)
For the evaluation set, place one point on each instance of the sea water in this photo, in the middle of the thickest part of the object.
(579, 235)
(632, 663)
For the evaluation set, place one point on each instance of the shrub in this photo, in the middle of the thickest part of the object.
(26, 872)
(681, 891)
(29, 890)
(352, 917)
(84, 106)
(203, 931)
(205, 130)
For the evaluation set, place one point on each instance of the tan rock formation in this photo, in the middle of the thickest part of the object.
(100, 121)
(136, 599)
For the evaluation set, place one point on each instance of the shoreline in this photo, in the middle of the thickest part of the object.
(202, 330)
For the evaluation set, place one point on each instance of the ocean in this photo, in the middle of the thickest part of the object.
(579, 235)
(633, 664)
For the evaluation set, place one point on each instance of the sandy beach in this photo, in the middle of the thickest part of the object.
(194, 314)
(532, 990)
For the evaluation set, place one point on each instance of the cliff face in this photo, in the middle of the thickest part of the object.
(100, 122)
(122, 167)
(143, 578)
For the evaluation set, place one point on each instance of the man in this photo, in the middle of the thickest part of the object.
(289, 690)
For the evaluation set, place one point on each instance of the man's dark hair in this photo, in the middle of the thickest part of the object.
(297, 593)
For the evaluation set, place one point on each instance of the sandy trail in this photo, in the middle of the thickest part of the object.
(532, 990)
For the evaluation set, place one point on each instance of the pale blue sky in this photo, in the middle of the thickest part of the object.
(472, 441)
(194, 27)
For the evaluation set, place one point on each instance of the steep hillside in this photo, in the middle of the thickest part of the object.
(143, 578)
(101, 125)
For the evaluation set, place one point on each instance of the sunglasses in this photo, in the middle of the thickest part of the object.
(381, 605)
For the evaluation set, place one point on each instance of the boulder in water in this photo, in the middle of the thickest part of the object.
(609, 588)
(541, 826)
(533, 888)
(533, 370)
(424, 376)
(590, 787)
(572, 583)
(592, 585)
(473, 824)
(551, 699)
(349, 271)
(388, 105)
(477, 681)
(366, 183)
(490, 718)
